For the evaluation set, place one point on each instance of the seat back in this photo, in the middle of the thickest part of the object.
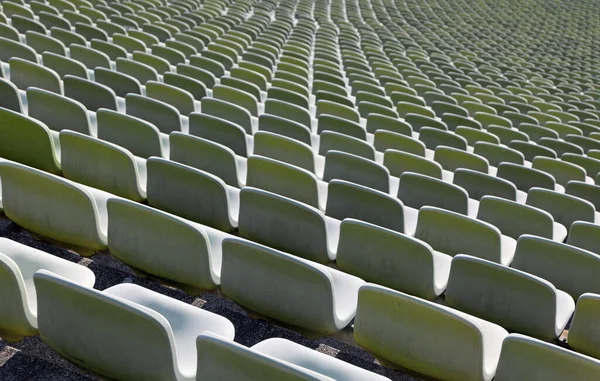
(25, 74)
(164, 116)
(58, 112)
(345, 166)
(417, 190)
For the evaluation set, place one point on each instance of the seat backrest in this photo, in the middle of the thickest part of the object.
(527, 358)
(582, 336)
(479, 184)
(525, 178)
(452, 159)
(28, 141)
(565, 208)
(345, 166)
(349, 200)
(25, 74)
(398, 162)
(286, 127)
(562, 171)
(164, 116)
(77, 217)
(427, 330)
(453, 233)
(331, 140)
(140, 236)
(284, 224)
(58, 112)
(385, 140)
(181, 99)
(250, 270)
(338, 124)
(283, 179)
(102, 165)
(9, 96)
(486, 289)
(382, 122)
(289, 111)
(122, 84)
(228, 111)
(206, 199)
(91, 94)
(11, 49)
(417, 190)
(365, 247)
(192, 85)
(284, 149)
(434, 138)
(336, 109)
(65, 310)
(569, 268)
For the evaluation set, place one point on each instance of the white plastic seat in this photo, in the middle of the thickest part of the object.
(250, 270)
(138, 334)
(508, 297)
(424, 337)
(18, 301)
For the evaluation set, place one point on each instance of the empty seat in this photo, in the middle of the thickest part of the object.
(28, 141)
(288, 150)
(192, 194)
(102, 165)
(569, 268)
(562, 171)
(142, 237)
(524, 358)
(181, 99)
(228, 111)
(24, 74)
(273, 359)
(91, 94)
(453, 233)
(515, 219)
(58, 112)
(452, 159)
(164, 116)
(391, 259)
(510, 298)
(345, 166)
(565, 208)
(18, 263)
(425, 337)
(287, 225)
(125, 317)
(583, 335)
(526, 178)
(250, 270)
(479, 184)
(78, 212)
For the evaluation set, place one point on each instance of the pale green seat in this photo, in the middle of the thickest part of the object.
(377, 122)
(392, 259)
(138, 70)
(12, 8)
(64, 66)
(452, 159)
(42, 43)
(102, 165)
(90, 57)
(475, 107)
(273, 359)
(487, 120)
(58, 112)
(524, 358)
(195, 87)
(142, 237)
(417, 190)
(343, 126)
(286, 180)
(511, 298)
(563, 129)
(250, 270)
(164, 116)
(517, 118)
(159, 64)
(141, 138)
(9, 33)
(453, 121)
(405, 98)
(349, 167)
(289, 111)
(121, 84)
(29, 141)
(442, 108)
(228, 111)
(530, 150)
(214, 67)
(560, 146)
(331, 108)
(112, 50)
(587, 144)
(25, 74)
(288, 150)
(586, 191)
(78, 212)
(238, 97)
(126, 317)
(207, 199)
(479, 184)
(208, 156)
(525, 178)
(85, 31)
(399, 162)
(583, 334)
(453, 233)
(565, 208)
(473, 136)
(434, 138)
(405, 108)
(129, 43)
(537, 133)
(91, 94)
(287, 225)
(384, 140)
(417, 121)
(181, 99)
(18, 263)
(350, 200)
(589, 163)
(330, 140)
(562, 171)
(10, 98)
(220, 131)
(11, 49)
(25, 24)
(244, 86)
(515, 219)
(286, 127)
(425, 337)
